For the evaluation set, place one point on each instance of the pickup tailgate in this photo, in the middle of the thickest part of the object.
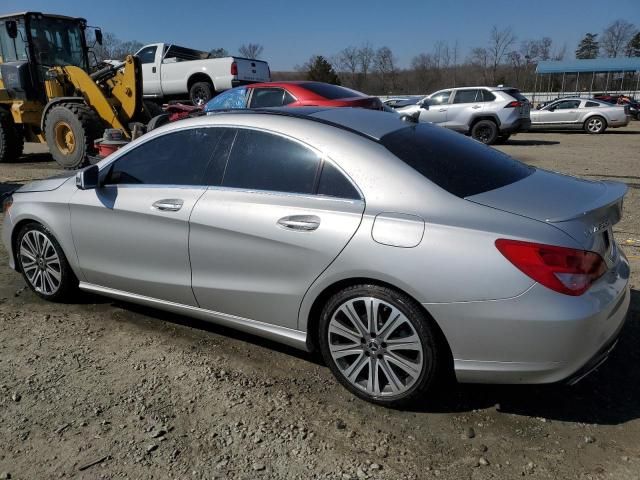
(585, 210)
(252, 70)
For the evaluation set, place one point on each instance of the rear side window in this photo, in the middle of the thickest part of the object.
(178, 158)
(459, 165)
(591, 104)
(334, 184)
(465, 96)
(515, 93)
(267, 97)
(332, 92)
(263, 161)
(485, 96)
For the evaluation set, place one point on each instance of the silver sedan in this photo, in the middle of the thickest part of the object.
(593, 116)
(398, 251)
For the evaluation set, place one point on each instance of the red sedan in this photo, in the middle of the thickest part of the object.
(291, 94)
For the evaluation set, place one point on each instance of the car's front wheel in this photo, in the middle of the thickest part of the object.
(595, 125)
(379, 344)
(43, 263)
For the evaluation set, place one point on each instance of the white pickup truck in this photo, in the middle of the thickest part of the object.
(170, 71)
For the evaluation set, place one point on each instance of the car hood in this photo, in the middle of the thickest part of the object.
(47, 184)
(579, 207)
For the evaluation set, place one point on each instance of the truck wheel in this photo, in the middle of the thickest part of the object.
(11, 140)
(200, 93)
(71, 129)
(485, 131)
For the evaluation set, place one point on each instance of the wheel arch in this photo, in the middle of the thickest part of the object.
(55, 102)
(485, 116)
(313, 317)
(200, 77)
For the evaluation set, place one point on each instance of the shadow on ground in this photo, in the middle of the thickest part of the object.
(609, 396)
(529, 143)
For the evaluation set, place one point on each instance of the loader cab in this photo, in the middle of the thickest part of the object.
(30, 44)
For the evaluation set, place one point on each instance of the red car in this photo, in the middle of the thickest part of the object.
(291, 94)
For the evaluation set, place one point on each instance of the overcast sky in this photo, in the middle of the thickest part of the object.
(291, 31)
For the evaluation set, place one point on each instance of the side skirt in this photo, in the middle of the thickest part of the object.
(288, 336)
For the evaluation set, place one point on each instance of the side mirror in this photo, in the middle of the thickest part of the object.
(98, 34)
(551, 109)
(424, 104)
(88, 178)
(538, 107)
(12, 28)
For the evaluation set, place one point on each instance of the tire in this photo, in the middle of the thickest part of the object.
(485, 131)
(153, 109)
(158, 121)
(200, 93)
(11, 139)
(71, 129)
(595, 125)
(502, 139)
(369, 352)
(36, 242)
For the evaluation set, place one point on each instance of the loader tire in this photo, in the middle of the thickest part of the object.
(71, 129)
(11, 139)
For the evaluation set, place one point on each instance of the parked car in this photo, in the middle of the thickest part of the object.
(399, 251)
(591, 115)
(402, 101)
(292, 94)
(170, 71)
(634, 105)
(488, 114)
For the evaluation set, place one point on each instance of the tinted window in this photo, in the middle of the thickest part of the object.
(147, 55)
(178, 158)
(334, 184)
(267, 97)
(515, 93)
(567, 104)
(288, 98)
(234, 98)
(591, 104)
(440, 98)
(461, 166)
(262, 161)
(485, 96)
(465, 96)
(332, 92)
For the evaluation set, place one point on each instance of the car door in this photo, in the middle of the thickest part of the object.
(435, 107)
(270, 97)
(557, 113)
(150, 59)
(131, 233)
(281, 215)
(465, 103)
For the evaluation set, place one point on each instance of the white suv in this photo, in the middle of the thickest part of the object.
(488, 114)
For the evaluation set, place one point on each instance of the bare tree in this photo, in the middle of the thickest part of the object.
(366, 55)
(423, 66)
(544, 48)
(251, 50)
(616, 37)
(500, 42)
(347, 61)
(480, 58)
(384, 64)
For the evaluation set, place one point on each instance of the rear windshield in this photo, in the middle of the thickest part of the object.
(461, 166)
(515, 93)
(331, 92)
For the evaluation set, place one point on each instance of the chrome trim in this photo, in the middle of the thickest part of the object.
(288, 336)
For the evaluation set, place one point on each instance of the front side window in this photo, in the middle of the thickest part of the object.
(264, 161)
(267, 97)
(176, 158)
(567, 104)
(147, 55)
(465, 96)
(440, 98)
(12, 49)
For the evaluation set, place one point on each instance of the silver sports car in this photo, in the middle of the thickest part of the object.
(593, 116)
(399, 251)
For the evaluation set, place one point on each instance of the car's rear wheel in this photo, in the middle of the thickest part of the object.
(595, 125)
(200, 93)
(485, 131)
(379, 344)
(43, 263)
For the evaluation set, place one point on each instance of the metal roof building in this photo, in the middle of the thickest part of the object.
(596, 65)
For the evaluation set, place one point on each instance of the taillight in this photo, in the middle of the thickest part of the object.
(513, 104)
(234, 68)
(564, 270)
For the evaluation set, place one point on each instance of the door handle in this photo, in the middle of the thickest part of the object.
(168, 204)
(301, 223)
(153, 69)
(477, 106)
(442, 110)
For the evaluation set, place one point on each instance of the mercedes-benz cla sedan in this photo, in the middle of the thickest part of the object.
(399, 251)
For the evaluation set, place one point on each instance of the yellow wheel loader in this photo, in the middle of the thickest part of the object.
(50, 94)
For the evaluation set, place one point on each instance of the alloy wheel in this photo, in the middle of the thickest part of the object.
(40, 262)
(375, 347)
(594, 125)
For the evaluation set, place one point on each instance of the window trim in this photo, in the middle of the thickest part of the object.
(475, 98)
(253, 89)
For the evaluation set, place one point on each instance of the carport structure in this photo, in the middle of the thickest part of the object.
(580, 77)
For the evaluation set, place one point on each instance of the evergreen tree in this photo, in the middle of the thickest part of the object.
(633, 47)
(588, 47)
(320, 70)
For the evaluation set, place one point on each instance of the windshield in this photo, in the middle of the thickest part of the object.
(459, 165)
(57, 41)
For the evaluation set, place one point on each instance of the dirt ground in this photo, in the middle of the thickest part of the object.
(100, 389)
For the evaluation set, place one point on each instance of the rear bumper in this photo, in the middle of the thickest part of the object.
(620, 123)
(520, 125)
(539, 336)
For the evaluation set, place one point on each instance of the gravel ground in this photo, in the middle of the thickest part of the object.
(99, 389)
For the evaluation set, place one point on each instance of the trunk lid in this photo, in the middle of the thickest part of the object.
(586, 210)
(250, 70)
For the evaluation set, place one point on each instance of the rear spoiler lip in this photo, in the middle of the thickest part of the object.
(614, 193)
